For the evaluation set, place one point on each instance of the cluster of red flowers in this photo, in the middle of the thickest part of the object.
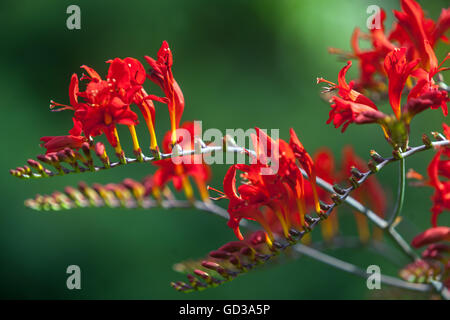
(279, 199)
(278, 187)
(435, 260)
(404, 58)
(438, 179)
(275, 199)
(106, 103)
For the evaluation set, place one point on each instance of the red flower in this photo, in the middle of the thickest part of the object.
(426, 94)
(345, 90)
(437, 168)
(370, 61)
(276, 200)
(413, 30)
(398, 70)
(431, 235)
(307, 164)
(107, 102)
(351, 106)
(325, 169)
(129, 75)
(345, 112)
(431, 98)
(161, 74)
(56, 143)
(104, 118)
(438, 178)
(178, 169)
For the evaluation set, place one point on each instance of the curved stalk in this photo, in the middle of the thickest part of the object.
(400, 193)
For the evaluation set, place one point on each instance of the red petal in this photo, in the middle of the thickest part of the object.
(431, 235)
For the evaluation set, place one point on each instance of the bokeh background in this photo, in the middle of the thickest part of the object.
(240, 64)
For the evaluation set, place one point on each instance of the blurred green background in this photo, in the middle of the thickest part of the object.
(240, 64)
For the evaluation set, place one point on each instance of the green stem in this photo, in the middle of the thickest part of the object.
(400, 194)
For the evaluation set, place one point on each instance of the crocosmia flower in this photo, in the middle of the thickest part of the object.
(398, 70)
(413, 29)
(439, 179)
(275, 200)
(350, 106)
(161, 74)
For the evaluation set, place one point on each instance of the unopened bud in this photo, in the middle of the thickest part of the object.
(426, 141)
(356, 173)
(336, 199)
(372, 166)
(204, 275)
(338, 189)
(376, 157)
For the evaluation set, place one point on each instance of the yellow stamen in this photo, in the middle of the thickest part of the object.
(386, 135)
(306, 239)
(173, 127)
(188, 191)
(118, 148)
(203, 191)
(335, 220)
(151, 128)
(187, 187)
(266, 227)
(327, 230)
(269, 241)
(156, 193)
(315, 194)
(409, 84)
(134, 137)
(301, 211)
(283, 223)
(149, 122)
(378, 234)
(363, 227)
